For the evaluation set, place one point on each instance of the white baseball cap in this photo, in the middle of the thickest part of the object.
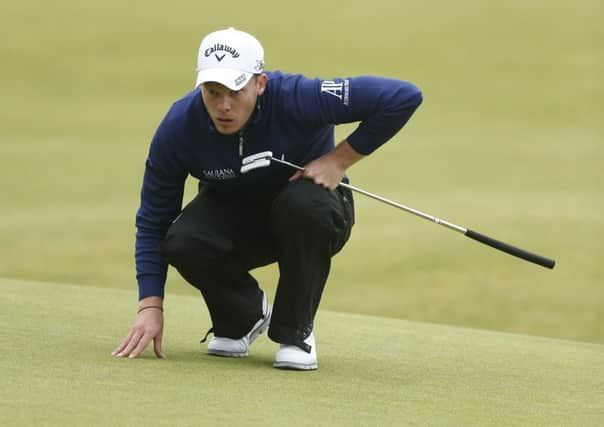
(229, 57)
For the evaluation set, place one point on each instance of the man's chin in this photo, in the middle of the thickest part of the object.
(226, 130)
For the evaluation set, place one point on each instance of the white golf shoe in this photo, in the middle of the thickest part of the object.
(229, 347)
(293, 357)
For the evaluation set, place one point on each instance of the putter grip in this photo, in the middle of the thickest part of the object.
(512, 250)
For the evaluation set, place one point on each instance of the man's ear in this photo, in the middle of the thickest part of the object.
(261, 83)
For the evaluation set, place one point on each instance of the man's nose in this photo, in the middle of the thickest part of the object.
(225, 103)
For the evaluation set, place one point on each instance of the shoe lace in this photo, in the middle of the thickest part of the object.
(205, 338)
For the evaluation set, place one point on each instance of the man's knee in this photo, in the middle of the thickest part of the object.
(182, 247)
(300, 204)
(305, 207)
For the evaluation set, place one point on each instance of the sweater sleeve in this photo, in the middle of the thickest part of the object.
(161, 201)
(381, 105)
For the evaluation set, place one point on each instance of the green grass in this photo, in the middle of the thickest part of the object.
(507, 142)
(57, 370)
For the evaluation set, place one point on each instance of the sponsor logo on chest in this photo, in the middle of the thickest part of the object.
(219, 174)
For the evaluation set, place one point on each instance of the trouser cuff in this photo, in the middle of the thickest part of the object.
(289, 336)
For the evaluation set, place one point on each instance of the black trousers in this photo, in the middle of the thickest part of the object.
(216, 241)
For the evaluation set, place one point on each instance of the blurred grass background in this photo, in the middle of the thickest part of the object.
(508, 142)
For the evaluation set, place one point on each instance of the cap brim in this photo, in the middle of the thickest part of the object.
(233, 79)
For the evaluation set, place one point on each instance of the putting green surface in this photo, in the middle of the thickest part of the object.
(57, 370)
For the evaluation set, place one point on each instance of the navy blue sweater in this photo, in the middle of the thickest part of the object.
(294, 118)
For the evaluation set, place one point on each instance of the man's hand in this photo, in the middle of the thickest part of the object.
(329, 169)
(148, 325)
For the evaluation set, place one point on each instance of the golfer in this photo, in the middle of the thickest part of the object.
(238, 222)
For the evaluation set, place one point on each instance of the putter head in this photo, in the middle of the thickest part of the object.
(255, 161)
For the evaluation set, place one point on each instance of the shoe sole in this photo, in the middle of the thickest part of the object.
(296, 366)
(221, 353)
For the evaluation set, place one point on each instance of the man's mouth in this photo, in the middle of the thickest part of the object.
(224, 120)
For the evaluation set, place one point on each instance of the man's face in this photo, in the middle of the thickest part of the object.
(230, 110)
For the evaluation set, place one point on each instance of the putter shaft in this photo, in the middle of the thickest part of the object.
(385, 200)
(502, 246)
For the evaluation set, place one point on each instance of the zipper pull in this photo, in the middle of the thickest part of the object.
(240, 145)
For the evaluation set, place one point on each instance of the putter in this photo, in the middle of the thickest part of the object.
(264, 159)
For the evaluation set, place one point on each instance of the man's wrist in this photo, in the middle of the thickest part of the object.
(150, 307)
(153, 301)
(345, 155)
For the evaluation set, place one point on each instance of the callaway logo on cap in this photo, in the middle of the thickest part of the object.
(229, 57)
